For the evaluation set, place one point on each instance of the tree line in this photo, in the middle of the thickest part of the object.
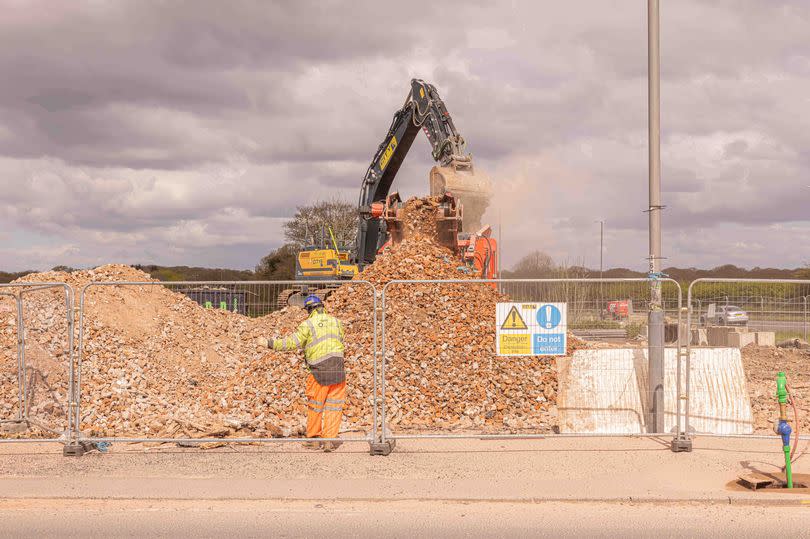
(539, 265)
(311, 225)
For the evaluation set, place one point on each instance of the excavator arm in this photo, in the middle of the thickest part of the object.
(425, 110)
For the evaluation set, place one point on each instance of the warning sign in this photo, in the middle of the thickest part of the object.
(531, 329)
(514, 344)
(514, 320)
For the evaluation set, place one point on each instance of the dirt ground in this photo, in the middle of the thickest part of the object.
(761, 365)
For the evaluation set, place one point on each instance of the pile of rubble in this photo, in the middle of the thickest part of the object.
(442, 371)
(157, 364)
(46, 355)
(419, 217)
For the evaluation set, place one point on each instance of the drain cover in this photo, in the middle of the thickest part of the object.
(760, 481)
(756, 481)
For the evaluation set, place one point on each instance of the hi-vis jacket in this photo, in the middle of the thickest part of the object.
(321, 338)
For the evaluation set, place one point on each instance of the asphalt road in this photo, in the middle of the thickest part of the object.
(779, 325)
(407, 519)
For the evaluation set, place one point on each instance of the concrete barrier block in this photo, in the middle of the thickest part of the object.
(766, 338)
(718, 335)
(606, 391)
(739, 339)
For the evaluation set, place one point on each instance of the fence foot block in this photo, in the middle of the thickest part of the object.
(681, 444)
(382, 448)
(73, 449)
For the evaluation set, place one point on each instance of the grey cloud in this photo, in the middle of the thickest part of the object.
(179, 132)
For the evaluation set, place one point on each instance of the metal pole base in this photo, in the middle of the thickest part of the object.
(382, 448)
(681, 444)
(74, 449)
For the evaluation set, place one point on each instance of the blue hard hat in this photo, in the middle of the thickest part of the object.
(312, 302)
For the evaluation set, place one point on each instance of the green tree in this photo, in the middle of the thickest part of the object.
(310, 224)
(7, 277)
(534, 265)
(279, 265)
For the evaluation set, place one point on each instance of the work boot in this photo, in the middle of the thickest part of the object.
(328, 447)
(312, 445)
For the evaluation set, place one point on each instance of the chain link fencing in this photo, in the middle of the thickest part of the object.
(741, 333)
(36, 361)
(153, 366)
(178, 361)
(443, 377)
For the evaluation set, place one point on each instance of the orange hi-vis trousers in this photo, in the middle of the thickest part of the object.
(324, 408)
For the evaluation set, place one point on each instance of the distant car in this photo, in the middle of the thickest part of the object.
(728, 315)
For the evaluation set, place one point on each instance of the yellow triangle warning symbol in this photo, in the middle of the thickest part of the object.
(514, 320)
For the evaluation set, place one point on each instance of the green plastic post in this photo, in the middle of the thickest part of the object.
(781, 388)
(209, 305)
(223, 305)
(782, 395)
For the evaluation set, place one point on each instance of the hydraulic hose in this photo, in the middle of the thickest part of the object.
(792, 402)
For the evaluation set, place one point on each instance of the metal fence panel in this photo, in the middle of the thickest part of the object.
(736, 324)
(178, 361)
(36, 358)
(442, 377)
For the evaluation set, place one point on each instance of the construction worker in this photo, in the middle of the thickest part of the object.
(321, 338)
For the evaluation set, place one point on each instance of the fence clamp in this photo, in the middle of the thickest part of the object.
(655, 276)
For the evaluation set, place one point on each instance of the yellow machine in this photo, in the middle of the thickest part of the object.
(318, 264)
(323, 264)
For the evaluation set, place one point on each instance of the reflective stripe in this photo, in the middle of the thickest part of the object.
(335, 401)
(322, 338)
(333, 409)
(311, 327)
(313, 401)
(324, 358)
(289, 343)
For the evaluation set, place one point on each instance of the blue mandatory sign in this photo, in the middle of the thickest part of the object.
(548, 344)
(549, 317)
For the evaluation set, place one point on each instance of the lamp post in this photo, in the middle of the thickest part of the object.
(655, 421)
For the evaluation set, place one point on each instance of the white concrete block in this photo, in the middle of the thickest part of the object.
(740, 340)
(766, 338)
(606, 391)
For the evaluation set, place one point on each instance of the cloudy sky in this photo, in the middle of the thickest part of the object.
(187, 132)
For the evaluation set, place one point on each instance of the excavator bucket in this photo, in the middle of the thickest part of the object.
(472, 188)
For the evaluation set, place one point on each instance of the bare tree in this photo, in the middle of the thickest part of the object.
(310, 224)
